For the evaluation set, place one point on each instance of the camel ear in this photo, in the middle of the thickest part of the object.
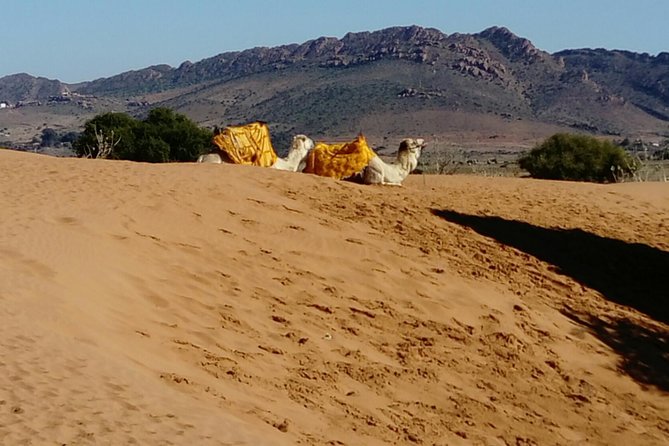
(404, 145)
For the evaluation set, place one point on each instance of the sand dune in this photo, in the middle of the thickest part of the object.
(216, 304)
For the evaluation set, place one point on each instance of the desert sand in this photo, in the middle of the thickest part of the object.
(231, 305)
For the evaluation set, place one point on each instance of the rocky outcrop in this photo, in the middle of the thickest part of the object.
(477, 63)
(511, 46)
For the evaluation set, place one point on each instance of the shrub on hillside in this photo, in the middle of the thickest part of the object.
(578, 158)
(163, 136)
(51, 138)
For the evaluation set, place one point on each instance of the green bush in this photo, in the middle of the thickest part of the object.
(123, 128)
(163, 136)
(578, 158)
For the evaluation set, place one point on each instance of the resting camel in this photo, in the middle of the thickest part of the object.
(293, 162)
(378, 171)
(213, 158)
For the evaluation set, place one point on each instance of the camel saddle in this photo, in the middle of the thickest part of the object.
(341, 160)
(247, 144)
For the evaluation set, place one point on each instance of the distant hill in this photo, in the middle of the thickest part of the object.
(491, 88)
(26, 88)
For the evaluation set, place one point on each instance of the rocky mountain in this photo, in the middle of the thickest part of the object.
(641, 78)
(26, 88)
(488, 87)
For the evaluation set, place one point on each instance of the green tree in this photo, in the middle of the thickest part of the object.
(150, 147)
(185, 139)
(154, 150)
(121, 124)
(573, 157)
(163, 136)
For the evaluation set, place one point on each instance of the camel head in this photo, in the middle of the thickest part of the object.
(412, 145)
(301, 144)
(409, 152)
(297, 154)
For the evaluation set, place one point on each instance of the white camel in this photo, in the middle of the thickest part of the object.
(294, 161)
(213, 158)
(297, 155)
(380, 172)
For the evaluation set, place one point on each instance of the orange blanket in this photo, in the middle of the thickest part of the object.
(247, 144)
(339, 160)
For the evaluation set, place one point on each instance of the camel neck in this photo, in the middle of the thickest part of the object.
(294, 156)
(407, 163)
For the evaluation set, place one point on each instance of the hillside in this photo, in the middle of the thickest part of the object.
(221, 304)
(491, 89)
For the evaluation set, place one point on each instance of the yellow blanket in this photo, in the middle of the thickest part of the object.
(339, 160)
(247, 144)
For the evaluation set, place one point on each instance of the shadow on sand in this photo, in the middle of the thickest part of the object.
(630, 274)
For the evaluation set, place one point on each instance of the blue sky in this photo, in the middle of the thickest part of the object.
(78, 40)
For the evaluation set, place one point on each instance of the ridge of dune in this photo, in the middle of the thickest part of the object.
(219, 304)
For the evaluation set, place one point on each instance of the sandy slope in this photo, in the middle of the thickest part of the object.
(202, 304)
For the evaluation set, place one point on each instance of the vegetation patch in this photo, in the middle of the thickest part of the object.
(163, 136)
(574, 157)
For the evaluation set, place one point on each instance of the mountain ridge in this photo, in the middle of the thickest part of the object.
(324, 85)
